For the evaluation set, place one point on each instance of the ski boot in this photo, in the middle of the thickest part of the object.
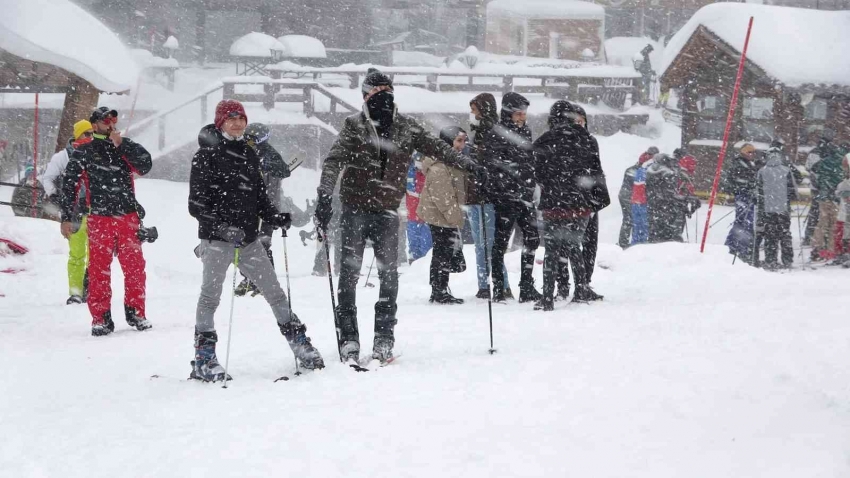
(135, 320)
(546, 304)
(245, 287)
(104, 326)
(307, 355)
(443, 297)
(350, 351)
(74, 299)
(585, 294)
(205, 367)
(382, 348)
(527, 293)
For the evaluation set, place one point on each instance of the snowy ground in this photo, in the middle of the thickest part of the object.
(690, 367)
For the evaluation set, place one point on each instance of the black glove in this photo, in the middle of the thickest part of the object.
(324, 212)
(231, 234)
(281, 220)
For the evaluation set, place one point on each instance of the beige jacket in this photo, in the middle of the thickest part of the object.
(443, 194)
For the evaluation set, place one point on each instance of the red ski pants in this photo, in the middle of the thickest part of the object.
(108, 235)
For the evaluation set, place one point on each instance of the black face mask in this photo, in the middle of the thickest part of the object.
(381, 105)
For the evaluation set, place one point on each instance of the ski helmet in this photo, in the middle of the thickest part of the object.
(258, 132)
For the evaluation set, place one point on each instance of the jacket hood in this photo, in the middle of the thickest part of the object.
(486, 104)
(774, 158)
(209, 136)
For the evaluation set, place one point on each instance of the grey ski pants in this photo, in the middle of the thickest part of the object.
(253, 263)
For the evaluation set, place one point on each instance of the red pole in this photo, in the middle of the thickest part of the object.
(35, 160)
(726, 136)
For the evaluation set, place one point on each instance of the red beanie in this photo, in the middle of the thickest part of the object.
(225, 109)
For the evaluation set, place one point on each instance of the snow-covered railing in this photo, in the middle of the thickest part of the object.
(272, 93)
(612, 84)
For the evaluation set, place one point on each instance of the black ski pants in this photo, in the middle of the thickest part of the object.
(563, 238)
(445, 240)
(626, 227)
(589, 245)
(381, 228)
(506, 216)
(777, 232)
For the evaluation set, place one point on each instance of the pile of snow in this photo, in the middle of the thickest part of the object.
(530, 9)
(59, 33)
(793, 45)
(146, 59)
(416, 58)
(255, 44)
(623, 50)
(302, 46)
(171, 43)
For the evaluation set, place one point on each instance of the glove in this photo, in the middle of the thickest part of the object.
(281, 220)
(324, 211)
(231, 234)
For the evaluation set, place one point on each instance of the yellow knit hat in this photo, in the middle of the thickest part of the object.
(81, 127)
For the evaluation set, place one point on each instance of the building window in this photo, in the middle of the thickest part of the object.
(758, 123)
(814, 119)
(711, 117)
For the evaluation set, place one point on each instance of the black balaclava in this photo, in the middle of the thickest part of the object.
(381, 107)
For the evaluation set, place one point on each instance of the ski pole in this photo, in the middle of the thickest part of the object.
(323, 237)
(232, 302)
(722, 218)
(487, 267)
(288, 292)
(369, 274)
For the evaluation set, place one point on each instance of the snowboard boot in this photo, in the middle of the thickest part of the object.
(527, 292)
(546, 304)
(74, 299)
(205, 367)
(136, 320)
(104, 326)
(382, 348)
(483, 294)
(585, 294)
(307, 355)
(443, 297)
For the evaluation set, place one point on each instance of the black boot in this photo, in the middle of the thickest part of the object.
(545, 304)
(105, 327)
(443, 297)
(585, 294)
(527, 292)
(349, 334)
(385, 322)
(136, 320)
(483, 294)
(307, 355)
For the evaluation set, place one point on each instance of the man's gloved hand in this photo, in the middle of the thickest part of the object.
(231, 234)
(281, 220)
(324, 212)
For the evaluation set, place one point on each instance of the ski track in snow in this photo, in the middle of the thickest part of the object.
(690, 367)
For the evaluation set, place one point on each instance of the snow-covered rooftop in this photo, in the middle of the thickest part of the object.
(146, 59)
(545, 9)
(302, 46)
(55, 32)
(793, 45)
(256, 44)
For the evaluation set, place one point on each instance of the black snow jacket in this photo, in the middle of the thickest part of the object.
(741, 177)
(485, 143)
(511, 166)
(666, 207)
(568, 170)
(107, 172)
(226, 187)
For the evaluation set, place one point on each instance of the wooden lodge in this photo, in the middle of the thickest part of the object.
(793, 87)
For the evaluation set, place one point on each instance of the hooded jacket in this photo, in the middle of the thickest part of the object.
(226, 186)
(107, 173)
(568, 170)
(511, 166)
(741, 177)
(775, 185)
(485, 143)
(369, 184)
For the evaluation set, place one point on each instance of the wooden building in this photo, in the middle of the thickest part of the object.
(561, 29)
(795, 85)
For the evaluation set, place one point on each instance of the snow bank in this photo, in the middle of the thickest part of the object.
(545, 9)
(302, 46)
(58, 32)
(257, 45)
(793, 45)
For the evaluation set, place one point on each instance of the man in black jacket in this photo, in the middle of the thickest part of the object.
(228, 198)
(510, 175)
(568, 170)
(372, 155)
(106, 166)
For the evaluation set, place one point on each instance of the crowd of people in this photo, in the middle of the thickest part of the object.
(764, 187)
(495, 177)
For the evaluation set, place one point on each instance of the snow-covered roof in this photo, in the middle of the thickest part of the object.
(145, 59)
(531, 9)
(793, 45)
(302, 46)
(256, 44)
(56, 32)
